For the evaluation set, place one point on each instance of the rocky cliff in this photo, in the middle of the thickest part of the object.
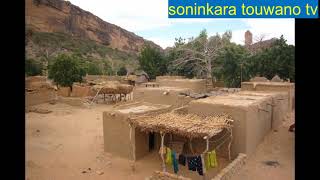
(53, 16)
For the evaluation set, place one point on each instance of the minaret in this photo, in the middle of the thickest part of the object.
(247, 38)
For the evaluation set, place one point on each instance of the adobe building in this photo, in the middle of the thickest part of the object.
(255, 114)
(272, 87)
(116, 130)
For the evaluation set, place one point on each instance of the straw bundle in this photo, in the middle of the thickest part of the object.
(124, 89)
(109, 87)
(132, 78)
(187, 125)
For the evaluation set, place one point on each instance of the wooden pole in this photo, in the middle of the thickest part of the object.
(202, 157)
(162, 149)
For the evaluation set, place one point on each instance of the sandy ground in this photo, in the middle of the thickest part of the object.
(278, 146)
(63, 144)
(67, 144)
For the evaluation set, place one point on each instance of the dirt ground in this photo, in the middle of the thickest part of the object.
(67, 144)
(278, 149)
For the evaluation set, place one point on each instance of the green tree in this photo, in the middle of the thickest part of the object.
(232, 65)
(279, 60)
(122, 71)
(32, 67)
(65, 70)
(152, 62)
(92, 68)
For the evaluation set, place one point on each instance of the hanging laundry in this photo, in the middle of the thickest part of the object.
(169, 156)
(182, 159)
(203, 163)
(211, 160)
(174, 162)
(207, 161)
(195, 164)
(214, 159)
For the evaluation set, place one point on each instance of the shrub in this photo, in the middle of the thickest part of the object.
(33, 67)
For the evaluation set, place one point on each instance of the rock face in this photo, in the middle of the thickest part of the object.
(62, 16)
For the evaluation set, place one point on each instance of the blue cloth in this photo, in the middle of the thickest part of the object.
(195, 164)
(175, 162)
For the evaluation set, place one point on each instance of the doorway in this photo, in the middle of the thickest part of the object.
(151, 141)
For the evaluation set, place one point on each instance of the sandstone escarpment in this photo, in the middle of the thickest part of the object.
(62, 16)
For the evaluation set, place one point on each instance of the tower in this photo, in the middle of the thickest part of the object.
(247, 38)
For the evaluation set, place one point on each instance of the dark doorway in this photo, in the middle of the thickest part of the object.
(151, 141)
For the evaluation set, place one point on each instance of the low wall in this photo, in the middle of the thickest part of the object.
(39, 97)
(196, 85)
(72, 101)
(31, 79)
(273, 87)
(161, 95)
(169, 77)
(82, 91)
(104, 77)
(232, 169)
(38, 91)
(64, 91)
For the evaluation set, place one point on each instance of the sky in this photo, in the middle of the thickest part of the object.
(149, 19)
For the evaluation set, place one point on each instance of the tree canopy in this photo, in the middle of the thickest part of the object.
(198, 55)
(236, 64)
(65, 70)
(152, 62)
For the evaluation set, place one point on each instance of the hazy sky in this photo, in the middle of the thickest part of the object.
(149, 19)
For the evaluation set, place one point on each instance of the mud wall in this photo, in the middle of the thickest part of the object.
(239, 136)
(286, 87)
(162, 95)
(104, 77)
(273, 87)
(116, 135)
(196, 85)
(279, 104)
(247, 86)
(81, 91)
(250, 125)
(38, 91)
(43, 96)
(158, 78)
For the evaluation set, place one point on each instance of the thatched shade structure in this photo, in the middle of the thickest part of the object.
(186, 125)
(113, 87)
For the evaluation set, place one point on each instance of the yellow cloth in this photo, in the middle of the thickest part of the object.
(207, 161)
(169, 157)
(211, 160)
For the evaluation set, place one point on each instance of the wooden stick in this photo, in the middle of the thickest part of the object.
(162, 148)
(229, 146)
